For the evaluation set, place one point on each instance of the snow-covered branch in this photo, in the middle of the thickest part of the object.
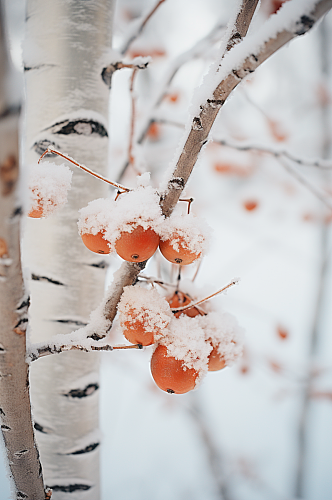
(294, 19)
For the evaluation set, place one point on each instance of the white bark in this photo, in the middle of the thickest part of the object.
(67, 105)
(15, 411)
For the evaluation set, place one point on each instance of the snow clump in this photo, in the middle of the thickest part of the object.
(48, 185)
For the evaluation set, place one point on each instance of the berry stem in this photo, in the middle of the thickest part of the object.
(83, 167)
(189, 201)
(194, 304)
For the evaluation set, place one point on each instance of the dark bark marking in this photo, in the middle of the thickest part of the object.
(82, 393)
(70, 488)
(2, 349)
(235, 73)
(38, 66)
(87, 449)
(24, 304)
(101, 265)
(2, 412)
(216, 103)
(17, 212)
(41, 146)
(305, 24)
(81, 126)
(10, 111)
(70, 321)
(8, 174)
(21, 495)
(95, 336)
(197, 124)
(39, 428)
(21, 322)
(5, 428)
(20, 454)
(36, 277)
(106, 75)
(177, 182)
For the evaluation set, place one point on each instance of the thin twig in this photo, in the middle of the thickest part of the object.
(277, 153)
(316, 192)
(141, 27)
(202, 123)
(196, 303)
(193, 53)
(83, 167)
(132, 121)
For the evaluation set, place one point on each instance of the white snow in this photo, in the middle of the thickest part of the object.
(185, 340)
(49, 184)
(145, 305)
(188, 230)
(225, 333)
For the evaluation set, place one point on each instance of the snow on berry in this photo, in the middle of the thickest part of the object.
(185, 340)
(186, 234)
(95, 218)
(48, 184)
(223, 331)
(145, 308)
(139, 207)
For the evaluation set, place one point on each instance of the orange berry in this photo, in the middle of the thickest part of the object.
(179, 299)
(96, 242)
(136, 331)
(250, 205)
(216, 361)
(170, 374)
(182, 255)
(137, 246)
(154, 131)
(36, 213)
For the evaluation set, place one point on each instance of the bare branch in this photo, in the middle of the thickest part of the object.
(277, 153)
(108, 71)
(163, 86)
(316, 192)
(242, 23)
(198, 302)
(129, 271)
(140, 28)
(247, 64)
(50, 149)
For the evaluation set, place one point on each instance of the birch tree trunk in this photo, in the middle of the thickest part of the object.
(66, 46)
(15, 412)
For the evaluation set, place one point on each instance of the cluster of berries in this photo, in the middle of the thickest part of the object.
(187, 343)
(132, 225)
